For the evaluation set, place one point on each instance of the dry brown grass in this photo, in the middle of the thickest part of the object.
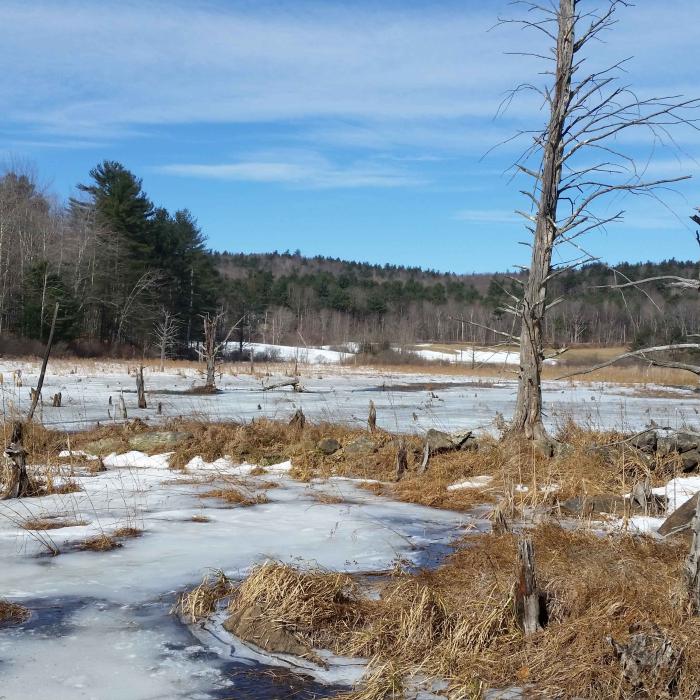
(12, 613)
(320, 608)
(591, 463)
(203, 600)
(458, 623)
(99, 543)
(50, 523)
(127, 532)
(200, 519)
(235, 497)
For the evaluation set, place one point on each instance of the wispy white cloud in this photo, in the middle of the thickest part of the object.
(426, 73)
(300, 170)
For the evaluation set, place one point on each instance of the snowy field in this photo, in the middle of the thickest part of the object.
(101, 628)
(405, 402)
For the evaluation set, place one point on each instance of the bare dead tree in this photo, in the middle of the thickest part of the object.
(166, 331)
(211, 349)
(574, 164)
(140, 388)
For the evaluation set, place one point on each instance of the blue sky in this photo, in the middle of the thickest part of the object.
(350, 129)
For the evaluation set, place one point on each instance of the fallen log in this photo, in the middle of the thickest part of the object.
(294, 383)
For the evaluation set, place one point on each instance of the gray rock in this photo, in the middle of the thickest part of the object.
(328, 446)
(148, 442)
(690, 460)
(681, 518)
(646, 442)
(685, 442)
(158, 441)
(439, 441)
(361, 446)
(609, 503)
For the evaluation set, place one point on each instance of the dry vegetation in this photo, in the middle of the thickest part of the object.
(100, 543)
(458, 623)
(235, 497)
(50, 523)
(12, 613)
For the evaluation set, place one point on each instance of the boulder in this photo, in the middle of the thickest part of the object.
(646, 442)
(328, 445)
(158, 441)
(680, 519)
(440, 441)
(361, 446)
(685, 442)
(162, 440)
(690, 460)
(611, 503)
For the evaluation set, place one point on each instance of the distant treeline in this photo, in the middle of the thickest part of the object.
(121, 268)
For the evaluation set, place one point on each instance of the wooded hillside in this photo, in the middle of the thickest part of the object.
(122, 269)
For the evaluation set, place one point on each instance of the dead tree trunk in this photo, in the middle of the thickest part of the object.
(691, 568)
(528, 410)
(527, 596)
(16, 482)
(210, 327)
(122, 407)
(140, 388)
(372, 418)
(401, 460)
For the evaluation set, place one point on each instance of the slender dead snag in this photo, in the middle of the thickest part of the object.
(140, 388)
(691, 567)
(527, 596)
(42, 374)
(574, 163)
(372, 417)
(401, 460)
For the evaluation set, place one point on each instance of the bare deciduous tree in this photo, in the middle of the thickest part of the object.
(211, 349)
(574, 164)
(166, 331)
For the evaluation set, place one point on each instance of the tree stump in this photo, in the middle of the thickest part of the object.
(372, 418)
(528, 607)
(426, 458)
(691, 567)
(56, 401)
(140, 389)
(649, 662)
(298, 420)
(401, 460)
(15, 482)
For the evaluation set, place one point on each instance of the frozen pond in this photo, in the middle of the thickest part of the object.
(405, 402)
(101, 628)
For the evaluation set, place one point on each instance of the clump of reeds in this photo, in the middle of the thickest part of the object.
(235, 497)
(127, 532)
(13, 613)
(99, 543)
(203, 600)
(320, 608)
(50, 523)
